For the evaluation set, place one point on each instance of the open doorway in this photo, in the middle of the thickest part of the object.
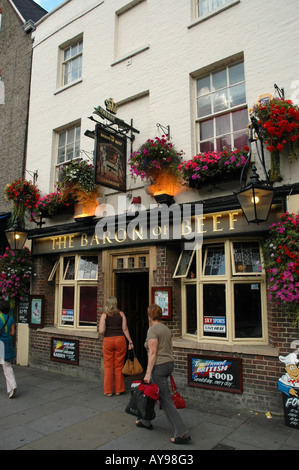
(133, 294)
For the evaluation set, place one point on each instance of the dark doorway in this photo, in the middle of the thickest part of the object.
(132, 295)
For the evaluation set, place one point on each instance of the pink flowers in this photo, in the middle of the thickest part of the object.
(204, 167)
(282, 263)
(153, 156)
(16, 269)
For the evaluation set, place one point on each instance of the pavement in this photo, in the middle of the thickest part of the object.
(59, 412)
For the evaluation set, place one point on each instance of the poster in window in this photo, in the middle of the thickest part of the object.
(65, 350)
(111, 159)
(36, 314)
(215, 373)
(162, 297)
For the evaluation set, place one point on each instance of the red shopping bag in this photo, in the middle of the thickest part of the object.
(177, 399)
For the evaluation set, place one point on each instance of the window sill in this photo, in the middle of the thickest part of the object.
(69, 85)
(70, 332)
(212, 13)
(131, 54)
(251, 350)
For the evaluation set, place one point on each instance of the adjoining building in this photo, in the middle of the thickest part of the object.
(17, 18)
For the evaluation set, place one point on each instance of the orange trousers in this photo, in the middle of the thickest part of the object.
(114, 351)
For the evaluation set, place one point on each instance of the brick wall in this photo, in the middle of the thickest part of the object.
(40, 339)
(15, 64)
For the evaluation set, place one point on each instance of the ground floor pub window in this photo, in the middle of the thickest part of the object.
(76, 291)
(224, 298)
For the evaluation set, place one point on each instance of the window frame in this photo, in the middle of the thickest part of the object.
(214, 115)
(58, 271)
(76, 143)
(65, 62)
(229, 279)
(213, 11)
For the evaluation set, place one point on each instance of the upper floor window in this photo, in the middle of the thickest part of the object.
(204, 7)
(68, 144)
(222, 114)
(72, 62)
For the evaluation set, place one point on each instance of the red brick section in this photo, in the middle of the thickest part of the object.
(40, 340)
(260, 373)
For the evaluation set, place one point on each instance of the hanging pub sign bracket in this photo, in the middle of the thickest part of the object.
(110, 156)
(123, 127)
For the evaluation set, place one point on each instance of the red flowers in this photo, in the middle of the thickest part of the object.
(279, 121)
(22, 192)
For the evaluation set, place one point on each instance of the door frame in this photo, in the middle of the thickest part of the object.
(108, 262)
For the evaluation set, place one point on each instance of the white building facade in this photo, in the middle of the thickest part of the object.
(197, 66)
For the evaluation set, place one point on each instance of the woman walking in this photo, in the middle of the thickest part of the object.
(113, 326)
(160, 366)
(7, 352)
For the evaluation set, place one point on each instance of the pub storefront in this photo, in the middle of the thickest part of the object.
(213, 296)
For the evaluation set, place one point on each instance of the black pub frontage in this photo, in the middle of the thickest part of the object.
(227, 335)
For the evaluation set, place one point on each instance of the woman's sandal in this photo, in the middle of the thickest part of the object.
(180, 440)
(139, 424)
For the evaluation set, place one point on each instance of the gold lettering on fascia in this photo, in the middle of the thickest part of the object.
(199, 225)
(63, 242)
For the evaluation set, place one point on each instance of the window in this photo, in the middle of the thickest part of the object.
(222, 114)
(224, 292)
(68, 144)
(76, 278)
(204, 7)
(72, 62)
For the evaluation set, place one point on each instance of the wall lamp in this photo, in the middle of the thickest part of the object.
(164, 199)
(255, 197)
(16, 236)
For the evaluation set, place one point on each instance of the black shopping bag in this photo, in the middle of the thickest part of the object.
(141, 405)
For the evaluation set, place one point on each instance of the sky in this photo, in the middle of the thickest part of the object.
(49, 5)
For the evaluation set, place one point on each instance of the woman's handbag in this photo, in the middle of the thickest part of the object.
(177, 399)
(132, 367)
(143, 400)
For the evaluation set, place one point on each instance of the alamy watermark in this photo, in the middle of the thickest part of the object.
(161, 222)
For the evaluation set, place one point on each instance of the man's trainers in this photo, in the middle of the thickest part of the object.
(12, 393)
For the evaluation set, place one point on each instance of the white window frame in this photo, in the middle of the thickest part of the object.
(212, 7)
(68, 62)
(213, 115)
(73, 144)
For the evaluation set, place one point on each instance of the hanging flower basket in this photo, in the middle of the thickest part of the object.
(282, 263)
(24, 195)
(213, 167)
(279, 126)
(76, 178)
(154, 156)
(16, 269)
(55, 203)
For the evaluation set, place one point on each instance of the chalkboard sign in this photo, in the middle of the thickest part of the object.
(291, 410)
(64, 350)
(23, 310)
(216, 373)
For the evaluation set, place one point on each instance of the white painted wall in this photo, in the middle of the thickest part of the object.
(175, 48)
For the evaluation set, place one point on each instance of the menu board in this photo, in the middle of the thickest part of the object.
(63, 350)
(291, 410)
(23, 310)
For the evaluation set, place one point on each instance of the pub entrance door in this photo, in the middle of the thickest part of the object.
(132, 295)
